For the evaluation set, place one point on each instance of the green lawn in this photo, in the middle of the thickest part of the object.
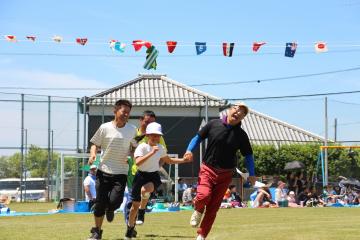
(251, 224)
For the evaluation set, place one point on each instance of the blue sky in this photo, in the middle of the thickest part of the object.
(243, 22)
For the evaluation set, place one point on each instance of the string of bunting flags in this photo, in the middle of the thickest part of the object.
(152, 52)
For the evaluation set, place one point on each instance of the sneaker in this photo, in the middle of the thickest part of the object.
(134, 233)
(95, 234)
(200, 237)
(140, 217)
(109, 215)
(129, 233)
(195, 218)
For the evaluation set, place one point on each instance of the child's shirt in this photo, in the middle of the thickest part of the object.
(152, 163)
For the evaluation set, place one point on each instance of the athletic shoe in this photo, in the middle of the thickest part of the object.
(140, 217)
(95, 234)
(129, 233)
(109, 215)
(200, 237)
(195, 218)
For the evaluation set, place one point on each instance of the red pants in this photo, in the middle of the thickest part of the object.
(212, 185)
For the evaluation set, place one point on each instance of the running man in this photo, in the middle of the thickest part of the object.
(225, 137)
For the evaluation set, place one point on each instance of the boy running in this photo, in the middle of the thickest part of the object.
(147, 179)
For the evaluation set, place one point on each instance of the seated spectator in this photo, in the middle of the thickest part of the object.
(280, 194)
(314, 200)
(188, 196)
(292, 200)
(234, 198)
(329, 195)
(303, 197)
(262, 197)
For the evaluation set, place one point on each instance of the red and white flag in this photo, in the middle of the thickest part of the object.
(257, 45)
(10, 38)
(321, 47)
(31, 38)
(81, 41)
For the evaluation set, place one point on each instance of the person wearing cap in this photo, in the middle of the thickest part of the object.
(116, 140)
(147, 179)
(225, 137)
(147, 117)
(89, 186)
(280, 194)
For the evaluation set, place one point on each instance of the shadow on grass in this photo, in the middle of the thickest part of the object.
(154, 236)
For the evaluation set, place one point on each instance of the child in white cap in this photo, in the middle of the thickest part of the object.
(147, 179)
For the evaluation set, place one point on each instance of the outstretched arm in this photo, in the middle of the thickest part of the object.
(194, 143)
(169, 160)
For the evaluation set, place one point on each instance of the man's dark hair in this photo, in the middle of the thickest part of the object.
(123, 102)
(149, 113)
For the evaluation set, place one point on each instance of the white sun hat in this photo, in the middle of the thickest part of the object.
(154, 128)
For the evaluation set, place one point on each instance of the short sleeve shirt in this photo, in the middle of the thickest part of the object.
(152, 163)
(115, 147)
(223, 143)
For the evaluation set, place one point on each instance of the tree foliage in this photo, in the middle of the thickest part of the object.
(271, 160)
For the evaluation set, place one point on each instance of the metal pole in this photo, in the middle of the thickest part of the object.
(325, 144)
(84, 151)
(49, 139)
(78, 126)
(52, 159)
(176, 182)
(62, 176)
(335, 130)
(103, 111)
(22, 147)
(25, 168)
(206, 115)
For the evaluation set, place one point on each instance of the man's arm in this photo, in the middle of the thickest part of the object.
(194, 143)
(93, 150)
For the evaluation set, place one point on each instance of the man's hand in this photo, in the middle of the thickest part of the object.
(252, 180)
(188, 156)
(92, 159)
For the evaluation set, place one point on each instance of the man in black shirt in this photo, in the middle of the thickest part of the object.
(225, 137)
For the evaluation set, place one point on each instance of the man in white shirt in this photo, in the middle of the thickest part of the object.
(115, 140)
(89, 186)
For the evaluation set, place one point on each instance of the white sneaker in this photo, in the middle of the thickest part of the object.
(200, 237)
(195, 219)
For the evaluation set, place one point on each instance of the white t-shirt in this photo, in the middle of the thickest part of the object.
(152, 163)
(91, 183)
(115, 147)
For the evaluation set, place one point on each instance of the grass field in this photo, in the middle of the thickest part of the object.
(252, 224)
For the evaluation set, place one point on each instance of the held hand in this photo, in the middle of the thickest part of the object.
(188, 156)
(252, 180)
(92, 159)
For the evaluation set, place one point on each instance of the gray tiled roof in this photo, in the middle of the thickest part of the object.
(263, 129)
(156, 90)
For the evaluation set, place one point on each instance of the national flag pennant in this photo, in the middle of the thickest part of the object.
(290, 49)
(31, 38)
(10, 38)
(151, 55)
(81, 41)
(200, 47)
(257, 45)
(321, 47)
(138, 44)
(171, 46)
(228, 49)
(57, 39)
(118, 46)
